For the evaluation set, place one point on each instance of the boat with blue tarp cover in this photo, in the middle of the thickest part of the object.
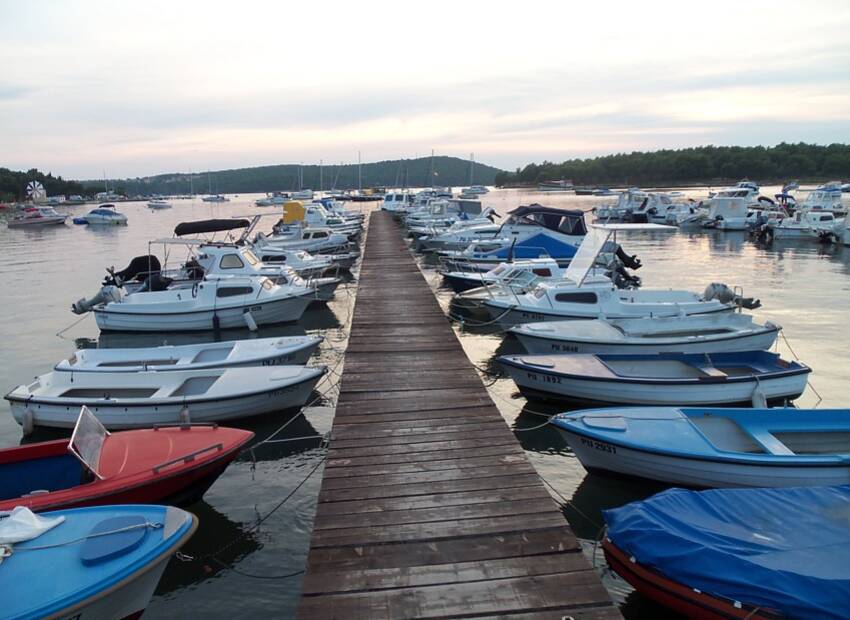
(737, 553)
(739, 378)
(699, 447)
(102, 562)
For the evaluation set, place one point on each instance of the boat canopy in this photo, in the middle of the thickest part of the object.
(568, 222)
(205, 226)
(778, 549)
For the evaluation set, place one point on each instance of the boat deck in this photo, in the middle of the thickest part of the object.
(429, 507)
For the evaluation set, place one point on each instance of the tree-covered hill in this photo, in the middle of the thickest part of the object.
(13, 184)
(704, 164)
(450, 171)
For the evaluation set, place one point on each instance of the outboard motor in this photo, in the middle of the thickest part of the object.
(104, 296)
(632, 262)
(724, 294)
(139, 268)
(620, 277)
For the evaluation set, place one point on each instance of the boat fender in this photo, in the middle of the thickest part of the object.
(27, 423)
(216, 322)
(185, 417)
(759, 399)
(249, 320)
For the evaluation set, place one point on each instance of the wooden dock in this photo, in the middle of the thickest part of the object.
(429, 507)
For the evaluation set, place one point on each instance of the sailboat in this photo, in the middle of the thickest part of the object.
(473, 191)
(302, 194)
(213, 197)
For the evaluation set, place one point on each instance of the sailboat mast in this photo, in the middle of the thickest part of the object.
(471, 167)
(209, 182)
(321, 179)
(359, 173)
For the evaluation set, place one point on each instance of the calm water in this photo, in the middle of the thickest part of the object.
(804, 287)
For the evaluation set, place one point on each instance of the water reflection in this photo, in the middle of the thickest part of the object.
(217, 544)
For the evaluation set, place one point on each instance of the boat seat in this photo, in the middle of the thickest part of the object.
(711, 371)
(770, 443)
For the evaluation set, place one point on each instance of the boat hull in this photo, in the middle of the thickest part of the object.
(116, 415)
(606, 457)
(546, 345)
(543, 385)
(509, 316)
(680, 598)
(264, 313)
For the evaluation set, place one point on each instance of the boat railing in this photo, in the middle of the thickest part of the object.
(187, 458)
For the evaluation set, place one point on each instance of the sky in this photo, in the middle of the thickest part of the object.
(125, 88)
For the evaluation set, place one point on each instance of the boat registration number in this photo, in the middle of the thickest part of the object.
(542, 378)
(533, 316)
(599, 445)
(280, 392)
(286, 359)
(569, 348)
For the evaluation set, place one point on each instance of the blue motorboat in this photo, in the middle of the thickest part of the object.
(532, 231)
(672, 379)
(102, 562)
(699, 447)
(737, 553)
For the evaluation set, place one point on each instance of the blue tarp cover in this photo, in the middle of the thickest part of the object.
(784, 549)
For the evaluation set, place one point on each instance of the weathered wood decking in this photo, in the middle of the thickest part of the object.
(428, 506)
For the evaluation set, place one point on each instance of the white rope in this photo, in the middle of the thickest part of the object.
(129, 528)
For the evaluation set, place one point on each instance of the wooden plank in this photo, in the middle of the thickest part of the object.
(479, 548)
(434, 501)
(410, 576)
(429, 507)
(521, 594)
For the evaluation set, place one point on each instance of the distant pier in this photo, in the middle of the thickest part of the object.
(429, 507)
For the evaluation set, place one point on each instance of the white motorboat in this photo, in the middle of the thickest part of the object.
(682, 334)
(210, 260)
(216, 302)
(140, 399)
(728, 210)
(443, 212)
(477, 190)
(215, 198)
(228, 354)
(581, 294)
(627, 202)
(713, 447)
(395, 201)
(805, 224)
(459, 236)
(302, 194)
(825, 198)
(743, 378)
(564, 185)
(105, 214)
(296, 237)
(305, 264)
(518, 276)
(37, 217)
(159, 204)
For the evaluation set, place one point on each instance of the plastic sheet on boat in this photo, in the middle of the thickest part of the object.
(784, 549)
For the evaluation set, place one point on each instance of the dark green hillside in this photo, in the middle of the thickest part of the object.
(703, 164)
(450, 171)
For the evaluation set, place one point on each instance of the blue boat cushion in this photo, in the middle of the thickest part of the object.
(52, 473)
(102, 548)
(784, 549)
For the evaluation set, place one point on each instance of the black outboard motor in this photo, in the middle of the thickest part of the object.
(632, 262)
(139, 268)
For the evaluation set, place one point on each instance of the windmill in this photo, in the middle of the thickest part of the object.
(36, 192)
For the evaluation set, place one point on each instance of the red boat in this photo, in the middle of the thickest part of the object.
(170, 465)
(680, 598)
